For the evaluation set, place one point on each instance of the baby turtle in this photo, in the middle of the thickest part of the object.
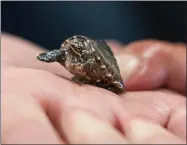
(90, 61)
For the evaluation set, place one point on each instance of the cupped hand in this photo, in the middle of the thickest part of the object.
(41, 105)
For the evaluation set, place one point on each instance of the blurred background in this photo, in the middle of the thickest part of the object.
(49, 23)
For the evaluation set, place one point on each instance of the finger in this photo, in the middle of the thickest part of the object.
(142, 132)
(81, 127)
(54, 93)
(152, 64)
(164, 108)
(24, 122)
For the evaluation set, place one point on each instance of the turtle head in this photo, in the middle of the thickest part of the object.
(52, 56)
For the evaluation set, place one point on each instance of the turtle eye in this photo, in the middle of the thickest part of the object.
(78, 48)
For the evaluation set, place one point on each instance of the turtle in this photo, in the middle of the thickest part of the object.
(90, 61)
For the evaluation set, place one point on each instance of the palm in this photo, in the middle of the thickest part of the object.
(34, 97)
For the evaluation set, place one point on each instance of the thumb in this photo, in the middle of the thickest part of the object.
(153, 64)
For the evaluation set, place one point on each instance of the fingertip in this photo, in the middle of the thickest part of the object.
(161, 64)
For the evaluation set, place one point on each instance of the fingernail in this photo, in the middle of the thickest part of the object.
(139, 130)
(128, 65)
(153, 49)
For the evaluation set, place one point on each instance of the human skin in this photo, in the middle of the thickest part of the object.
(40, 104)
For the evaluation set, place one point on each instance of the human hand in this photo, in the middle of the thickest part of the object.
(42, 99)
(151, 117)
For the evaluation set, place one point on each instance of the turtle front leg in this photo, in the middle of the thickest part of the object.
(80, 80)
(82, 71)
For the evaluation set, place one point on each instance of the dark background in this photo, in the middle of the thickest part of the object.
(49, 23)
